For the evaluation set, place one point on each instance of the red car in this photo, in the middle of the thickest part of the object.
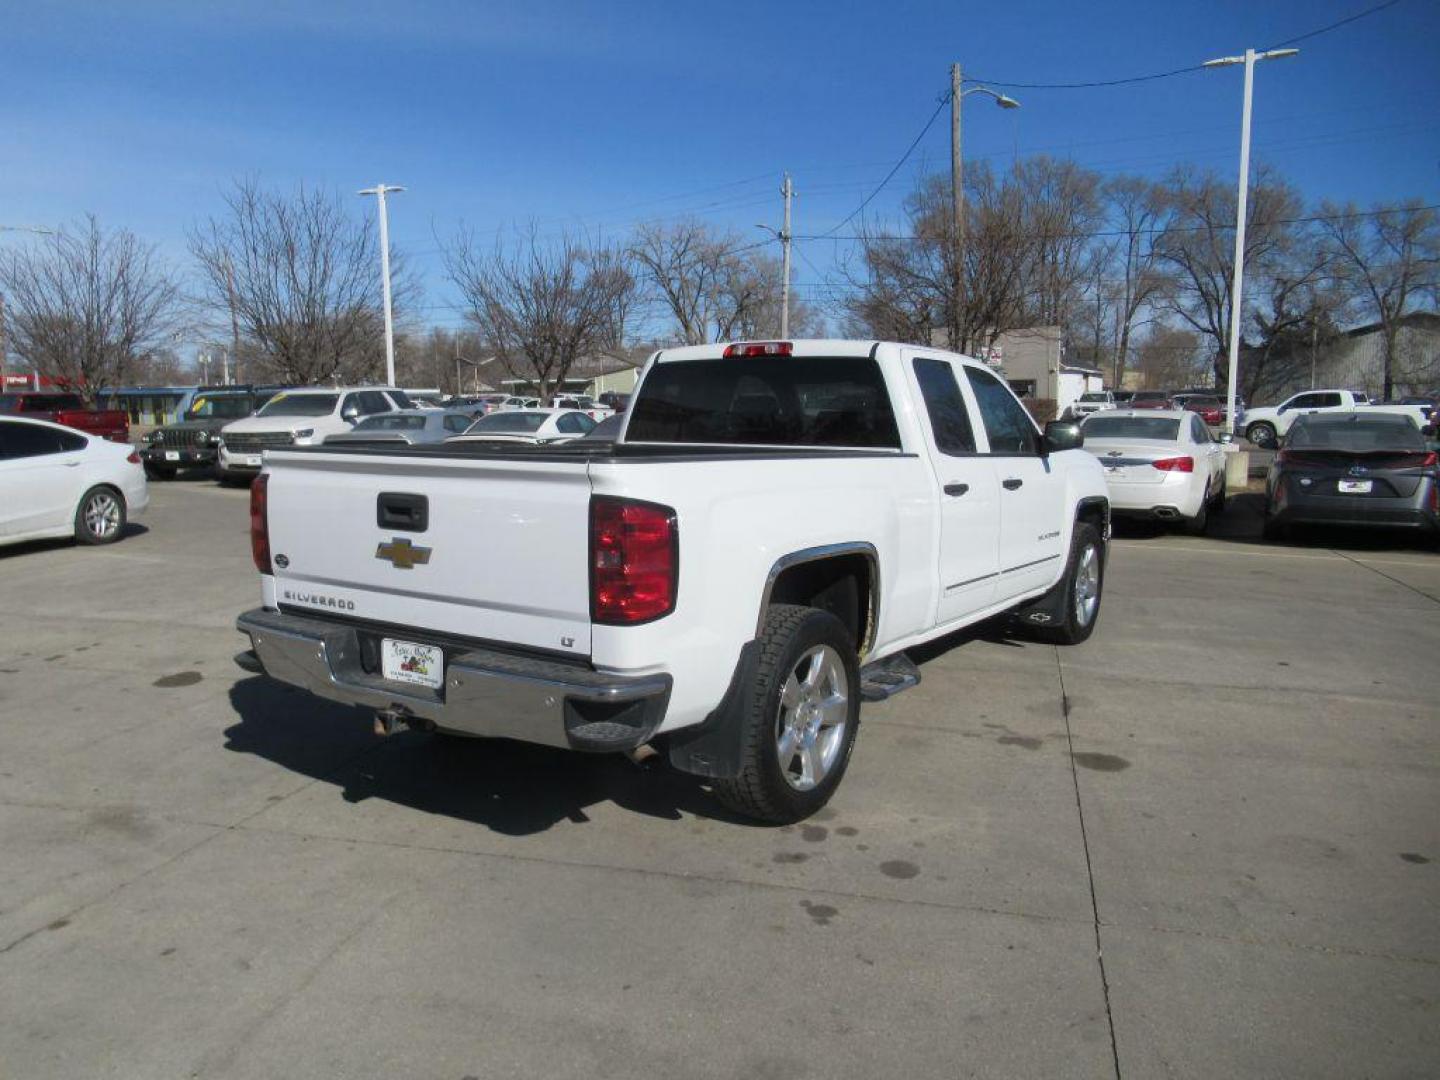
(1150, 399)
(69, 410)
(1211, 409)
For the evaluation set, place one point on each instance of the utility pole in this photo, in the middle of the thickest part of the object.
(788, 190)
(957, 196)
(234, 318)
(380, 191)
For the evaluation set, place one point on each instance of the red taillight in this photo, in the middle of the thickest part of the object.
(133, 457)
(1175, 464)
(634, 561)
(1430, 460)
(260, 523)
(743, 349)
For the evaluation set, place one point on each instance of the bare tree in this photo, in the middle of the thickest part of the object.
(1170, 357)
(1390, 259)
(715, 286)
(300, 272)
(1197, 247)
(1137, 213)
(84, 305)
(542, 306)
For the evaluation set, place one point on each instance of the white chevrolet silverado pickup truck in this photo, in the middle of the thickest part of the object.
(1268, 425)
(776, 523)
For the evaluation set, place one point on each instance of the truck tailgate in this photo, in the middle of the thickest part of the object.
(490, 549)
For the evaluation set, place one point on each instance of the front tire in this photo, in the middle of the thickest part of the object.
(799, 717)
(1262, 435)
(100, 517)
(1083, 584)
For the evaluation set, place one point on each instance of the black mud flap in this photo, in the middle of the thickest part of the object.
(712, 748)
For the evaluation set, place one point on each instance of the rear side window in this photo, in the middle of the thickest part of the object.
(32, 440)
(949, 419)
(765, 401)
(1007, 424)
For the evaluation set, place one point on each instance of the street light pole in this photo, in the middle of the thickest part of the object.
(1236, 288)
(380, 191)
(957, 180)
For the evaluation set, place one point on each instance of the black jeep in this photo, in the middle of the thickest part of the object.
(189, 443)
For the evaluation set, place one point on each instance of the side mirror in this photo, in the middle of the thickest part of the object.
(1062, 435)
(351, 414)
(1226, 437)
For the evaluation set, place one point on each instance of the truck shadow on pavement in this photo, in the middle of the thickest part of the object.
(512, 788)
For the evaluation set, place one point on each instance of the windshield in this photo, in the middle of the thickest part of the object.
(300, 405)
(1094, 397)
(1101, 426)
(1356, 434)
(392, 422)
(508, 423)
(761, 401)
(1149, 395)
(229, 407)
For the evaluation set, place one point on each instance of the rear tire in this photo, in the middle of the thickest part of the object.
(1275, 531)
(100, 517)
(1197, 525)
(1262, 435)
(798, 718)
(1083, 584)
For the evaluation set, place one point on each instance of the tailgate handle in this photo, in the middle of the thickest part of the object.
(402, 512)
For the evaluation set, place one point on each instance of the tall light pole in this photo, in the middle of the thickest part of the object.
(380, 191)
(784, 236)
(1249, 60)
(957, 175)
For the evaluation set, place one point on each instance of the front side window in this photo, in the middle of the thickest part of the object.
(949, 418)
(834, 401)
(1007, 425)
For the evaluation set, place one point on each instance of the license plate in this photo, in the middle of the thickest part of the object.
(172, 455)
(254, 459)
(408, 662)
(1356, 487)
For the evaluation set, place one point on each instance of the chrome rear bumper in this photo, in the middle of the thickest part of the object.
(486, 692)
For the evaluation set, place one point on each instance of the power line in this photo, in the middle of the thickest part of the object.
(1336, 25)
(1181, 70)
(1219, 227)
(944, 100)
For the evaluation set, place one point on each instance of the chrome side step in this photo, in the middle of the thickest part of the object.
(886, 678)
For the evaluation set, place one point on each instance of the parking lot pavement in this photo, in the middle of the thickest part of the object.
(1205, 843)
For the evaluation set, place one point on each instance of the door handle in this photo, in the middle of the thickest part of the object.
(1011, 484)
(956, 489)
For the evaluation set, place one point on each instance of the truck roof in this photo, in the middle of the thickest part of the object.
(799, 347)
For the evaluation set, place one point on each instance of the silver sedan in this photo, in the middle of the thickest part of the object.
(410, 428)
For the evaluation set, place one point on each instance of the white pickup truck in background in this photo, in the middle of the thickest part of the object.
(775, 525)
(1268, 425)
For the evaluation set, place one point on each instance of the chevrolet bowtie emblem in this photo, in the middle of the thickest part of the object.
(402, 554)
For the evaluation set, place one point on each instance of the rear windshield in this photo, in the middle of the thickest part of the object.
(766, 401)
(283, 404)
(507, 423)
(227, 407)
(1356, 434)
(392, 422)
(1101, 426)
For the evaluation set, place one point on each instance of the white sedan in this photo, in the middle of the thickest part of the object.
(1159, 463)
(56, 481)
(534, 426)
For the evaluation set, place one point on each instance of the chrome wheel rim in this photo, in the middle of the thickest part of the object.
(102, 515)
(813, 715)
(1087, 585)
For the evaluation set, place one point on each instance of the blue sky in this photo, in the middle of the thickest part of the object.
(598, 115)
